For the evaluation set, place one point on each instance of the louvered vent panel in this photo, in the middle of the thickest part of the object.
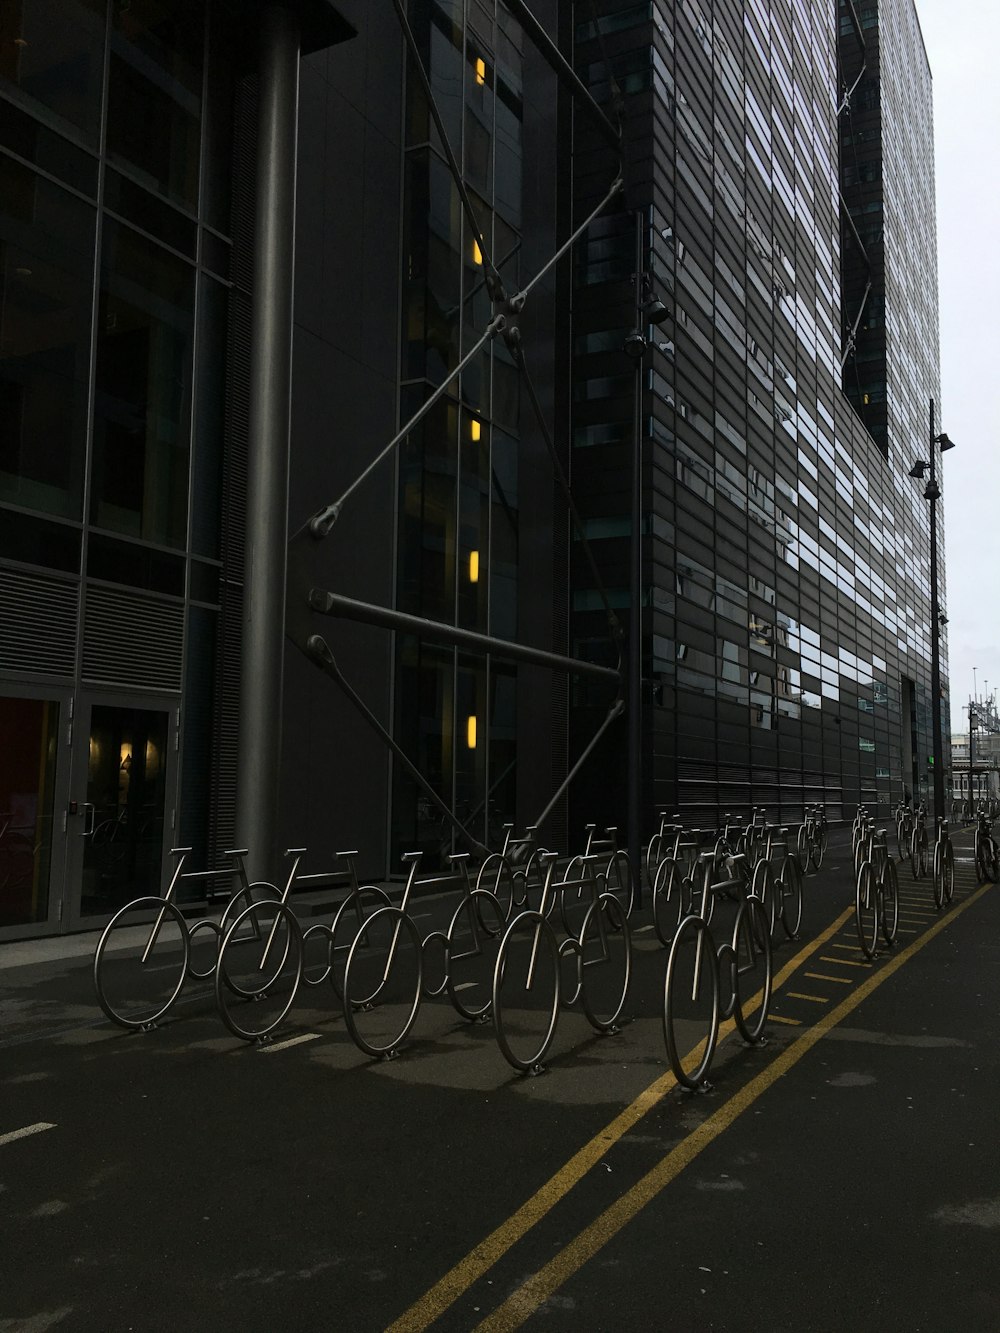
(38, 618)
(132, 640)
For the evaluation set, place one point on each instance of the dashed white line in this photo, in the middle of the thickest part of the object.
(290, 1041)
(24, 1133)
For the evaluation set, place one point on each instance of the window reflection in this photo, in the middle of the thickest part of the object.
(46, 262)
(143, 389)
(52, 52)
(154, 93)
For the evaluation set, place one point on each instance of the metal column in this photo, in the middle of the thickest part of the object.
(936, 730)
(270, 407)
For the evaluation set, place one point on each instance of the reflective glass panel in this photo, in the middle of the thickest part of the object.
(29, 728)
(46, 267)
(143, 390)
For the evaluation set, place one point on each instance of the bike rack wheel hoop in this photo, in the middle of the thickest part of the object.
(620, 881)
(691, 1003)
(791, 896)
(528, 950)
(866, 909)
(386, 923)
(348, 919)
(477, 919)
(889, 901)
(949, 872)
(764, 889)
(671, 896)
(605, 943)
(269, 936)
(149, 970)
(753, 974)
(496, 877)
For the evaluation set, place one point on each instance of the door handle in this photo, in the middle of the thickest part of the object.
(89, 818)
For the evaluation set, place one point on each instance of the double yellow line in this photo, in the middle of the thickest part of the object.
(538, 1288)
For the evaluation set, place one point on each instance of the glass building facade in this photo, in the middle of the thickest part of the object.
(785, 567)
(788, 227)
(115, 162)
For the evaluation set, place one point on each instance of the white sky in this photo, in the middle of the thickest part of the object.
(962, 39)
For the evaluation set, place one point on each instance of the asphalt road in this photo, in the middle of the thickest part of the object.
(844, 1176)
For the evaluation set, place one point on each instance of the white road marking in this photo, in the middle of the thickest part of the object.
(291, 1041)
(24, 1133)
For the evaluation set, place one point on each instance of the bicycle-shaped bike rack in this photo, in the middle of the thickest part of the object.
(384, 977)
(918, 844)
(811, 839)
(986, 852)
(528, 989)
(876, 897)
(779, 886)
(144, 954)
(943, 868)
(693, 1006)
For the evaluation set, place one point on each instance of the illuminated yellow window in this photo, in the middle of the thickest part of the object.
(477, 254)
(475, 430)
(473, 566)
(470, 732)
(480, 71)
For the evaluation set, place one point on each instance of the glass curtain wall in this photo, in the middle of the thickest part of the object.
(115, 164)
(458, 471)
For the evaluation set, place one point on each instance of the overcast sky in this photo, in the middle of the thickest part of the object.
(962, 39)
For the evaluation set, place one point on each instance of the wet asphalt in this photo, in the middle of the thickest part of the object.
(844, 1176)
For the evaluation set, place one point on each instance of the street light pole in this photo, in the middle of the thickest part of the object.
(932, 493)
(635, 590)
(649, 313)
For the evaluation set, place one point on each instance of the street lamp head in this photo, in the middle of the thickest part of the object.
(635, 345)
(944, 442)
(918, 469)
(932, 491)
(650, 306)
(655, 311)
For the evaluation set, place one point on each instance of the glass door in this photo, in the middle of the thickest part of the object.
(122, 804)
(33, 784)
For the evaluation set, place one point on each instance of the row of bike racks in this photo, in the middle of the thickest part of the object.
(528, 934)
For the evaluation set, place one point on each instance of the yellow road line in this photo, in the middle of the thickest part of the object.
(822, 976)
(541, 1285)
(480, 1260)
(777, 1018)
(813, 999)
(842, 962)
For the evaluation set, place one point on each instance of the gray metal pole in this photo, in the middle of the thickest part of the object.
(270, 406)
(937, 741)
(634, 783)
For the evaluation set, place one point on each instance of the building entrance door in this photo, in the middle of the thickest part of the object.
(33, 795)
(121, 804)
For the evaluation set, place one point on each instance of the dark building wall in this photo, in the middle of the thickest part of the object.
(335, 772)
